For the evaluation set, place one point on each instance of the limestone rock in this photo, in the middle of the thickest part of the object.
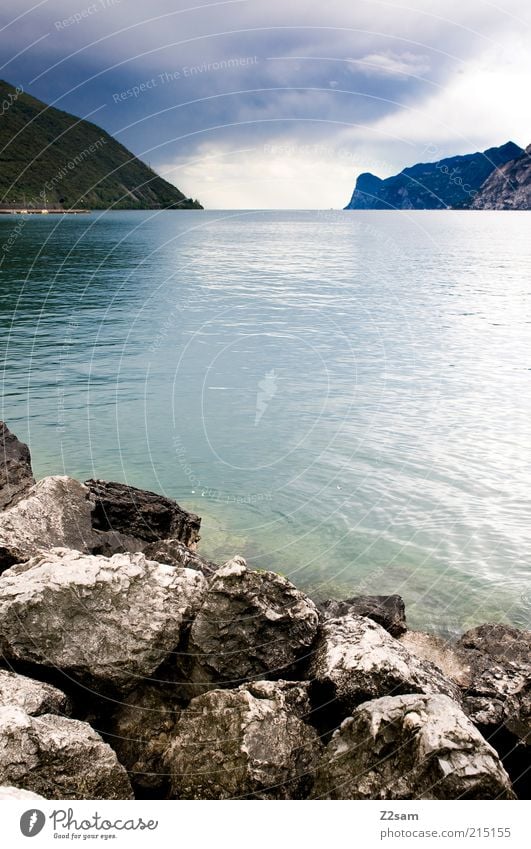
(107, 622)
(32, 696)
(251, 625)
(387, 610)
(410, 747)
(16, 475)
(56, 511)
(58, 758)
(250, 742)
(141, 514)
(356, 659)
(140, 732)
(7, 793)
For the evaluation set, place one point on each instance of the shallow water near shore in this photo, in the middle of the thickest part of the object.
(344, 397)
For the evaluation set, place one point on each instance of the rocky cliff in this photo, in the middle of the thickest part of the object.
(446, 183)
(131, 667)
(508, 187)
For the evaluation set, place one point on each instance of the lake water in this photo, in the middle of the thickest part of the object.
(345, 397)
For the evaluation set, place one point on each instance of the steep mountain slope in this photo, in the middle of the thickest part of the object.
(509, 187)
(450, 182)
(48, 157)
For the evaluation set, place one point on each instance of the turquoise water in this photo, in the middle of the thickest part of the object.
(344, 397)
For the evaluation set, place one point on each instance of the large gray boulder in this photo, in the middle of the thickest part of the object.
(140, 731)
(107, 622)
(250, 742)
(35, 697)
(389, 611)
(56, 511)
(251, 625)
(356, 659)
(58, 758)
(16, 475)
(100, 517)
(123, 509)
(410, 747)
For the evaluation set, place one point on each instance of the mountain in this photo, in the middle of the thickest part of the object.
(447, 183)
(509, 187)
(51, 158)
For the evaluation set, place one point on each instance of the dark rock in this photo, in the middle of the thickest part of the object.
(107, 622)
(16, 475)
(251, 625)
(250, 742)
(140, 732)
(387, 610)
(502, 643)
(139, 513)
(58, 758)
(355, 659)
(497, 691)
(410, 747)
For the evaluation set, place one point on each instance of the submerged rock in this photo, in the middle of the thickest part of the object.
(140, 732)
(107, 622)
(123, 509)
(453, 661)
(16, 475)
(410, 747)
(251, 625)
(246, 743)
(356, 659)
(58, 758)
(387, 610)
(176, 553)
(34, 697)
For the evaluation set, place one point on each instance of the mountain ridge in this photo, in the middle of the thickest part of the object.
(51, 158)
(447, 183)
(509, 187)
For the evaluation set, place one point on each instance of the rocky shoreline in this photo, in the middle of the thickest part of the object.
(134, 668)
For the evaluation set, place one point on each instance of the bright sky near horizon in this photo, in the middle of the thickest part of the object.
(275, 104)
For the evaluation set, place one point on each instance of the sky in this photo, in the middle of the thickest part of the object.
(249, 104)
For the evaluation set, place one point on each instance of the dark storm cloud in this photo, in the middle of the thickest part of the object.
(166, 78)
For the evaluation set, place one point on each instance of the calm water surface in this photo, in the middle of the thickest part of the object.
(344, 397)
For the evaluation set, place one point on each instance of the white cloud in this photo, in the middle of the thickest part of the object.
(483, 105)
(393, 64)
(287, 174)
